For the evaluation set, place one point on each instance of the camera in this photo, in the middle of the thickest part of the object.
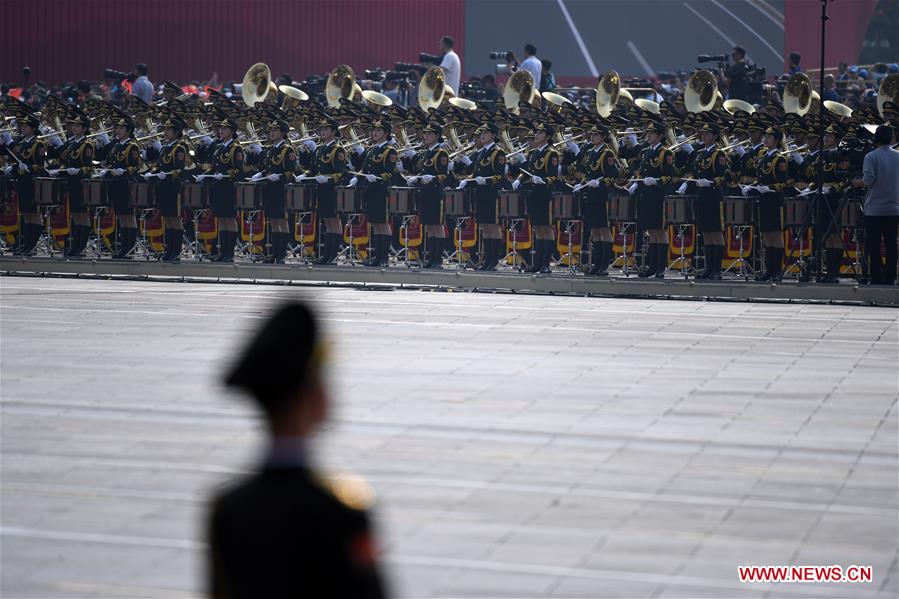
(396, 75)
(408, 66)
(374, 74)
(114, 74)
(429, 58)
(712, 58)
(503, 69)
(501, 55)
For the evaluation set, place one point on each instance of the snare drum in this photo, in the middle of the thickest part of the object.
(195, 196)
(737, 210)
(850, 214)
(564, 206)
(679, 209)
(511, 204)
(249, 196)
(95, 193)
(622, 208)
(402, 200)
(47, 191)
(143, 195)
(796, 212)
(348, 199)
(300, 197)
(455, 202)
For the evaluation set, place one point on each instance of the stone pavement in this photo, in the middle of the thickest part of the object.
(520, 446)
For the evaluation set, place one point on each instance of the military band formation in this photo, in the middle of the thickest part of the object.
(694, 185)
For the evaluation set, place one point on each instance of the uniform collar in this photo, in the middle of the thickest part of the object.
(656, 146)
(227, 143)
(280, 143)
(27, 139)
(599, 147)
(331, 142)
(77, 139)
(487, 148)
(435, 146)
(771, 151)
(543, 147)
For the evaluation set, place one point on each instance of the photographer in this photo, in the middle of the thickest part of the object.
(531, 63)
(451, 64)
(141, 87)
(736, 75)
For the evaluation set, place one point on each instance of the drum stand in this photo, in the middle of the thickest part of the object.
(46, 238)
(569, 227)
(95, 243)
(804, 270)
(745, 268)
(682, 229)
(348, 253)
(195, 247)
(623, 229)
(301, 247)
(142, 247)
(247, 248)
(404, 251)
(457, 232)
(513, 253)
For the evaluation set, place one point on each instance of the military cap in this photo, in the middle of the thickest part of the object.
(488, 127)
(332, 123)
(833, 130)
(32, 121)
(548, 129)
(776, 132)
(279, 358)
(175, 123)
(80, 119)
(279, 124)
(382, 124)
(655, 127)
(756, 124)
(709, 128)
(171, 87)
(125, 122)
(228, 122)
(598, 129)
(433, 127)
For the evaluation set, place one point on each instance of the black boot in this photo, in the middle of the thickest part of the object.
(27, 239)
(226, 246)
(652, 260)
(713, 268)
(546, 256)
(331, 243)
(280, 247)
(374, 253)
(174, 239)
(833, 259)
(661, 260)
(777, 274)
(491, 255)
(127, 239)
(773, 258)
(599, 258)
(80, 234)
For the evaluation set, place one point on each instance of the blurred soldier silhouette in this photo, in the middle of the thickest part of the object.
(286, 530)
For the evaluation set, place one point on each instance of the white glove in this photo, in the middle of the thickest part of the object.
(826, 189)
(515, 159)
(117, 172)
(371, 178)
(572, 147)
(427, 179)
(538, 181)
(353, 181)
(255, 148)
(53, 172)
(273, 177)
(480, 180)
(682, 189)
(218, 176)
(322, 178)
(309, 145)
(764, 189)
(740, 150)
(703, 183)
(206, 140)
(465, 160)
(407, 154)
(632, 188)
(73, 171)
(412, 179)
(797, 157)
(256, 176)
(143, 154)
(102, 173)
(6, 138)
(161, 176)
(688, 148)
(7, 169)
(650, 181)
(463, 183)
(55, 141)
(103, 138)
(745, 190)
(593, 183)
(358, 148)
(631, 139)
(516, 184)
(156, 145)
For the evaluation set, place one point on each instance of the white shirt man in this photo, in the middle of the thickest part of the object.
(143, 89)
(451, 64)
(532, 65)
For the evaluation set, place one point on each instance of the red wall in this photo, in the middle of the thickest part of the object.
(846, 28)
(190, 39)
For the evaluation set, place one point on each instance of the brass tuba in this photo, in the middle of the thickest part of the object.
(258, 86)
(701, 91)
(432, 89)
(520, 88)
(608, 90)
(341, 84)
(888, 92)
(798, 94)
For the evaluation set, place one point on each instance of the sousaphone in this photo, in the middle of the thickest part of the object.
(520, 88)
(341, 84)
(888, 92)
(432, 89)
(258, 85)
(608, 90)
(798, 94)
(701, 92)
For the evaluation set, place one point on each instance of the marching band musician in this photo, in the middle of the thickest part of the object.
(33, 154)
(771, 181)
(76, 161)
(542, 164)
(656, 169)
(835, 182)
(488, 170)
(378, 167)
(173, 159)
(431, 168)
(122, 164)
(749, 159)
(278, 163)
(712, 169)
(328, 166)
(225, 169)
(599, 167)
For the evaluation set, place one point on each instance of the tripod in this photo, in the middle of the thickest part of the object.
(459, 254)
(513, 254)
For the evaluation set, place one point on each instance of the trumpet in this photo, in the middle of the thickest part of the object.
(684, 141)
(151, 136)
(466, 148)
(792, 150)
(736, 144)
(565, 140)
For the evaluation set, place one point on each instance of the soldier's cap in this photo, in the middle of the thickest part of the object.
(755, 124)
(740, 127)
(548, 129)
(433, 128)
(383, 124)
(279, 124)
(228, 122)
(709, 128)
(596, 128)
(890, 106)
(32, 121)
(488, 128)
(80, 119)
(776, 132)
(833, 130)
(656, 127)
(175, 123)
(280, 358)
(170, 86)
(332, 123)
(125, 122)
